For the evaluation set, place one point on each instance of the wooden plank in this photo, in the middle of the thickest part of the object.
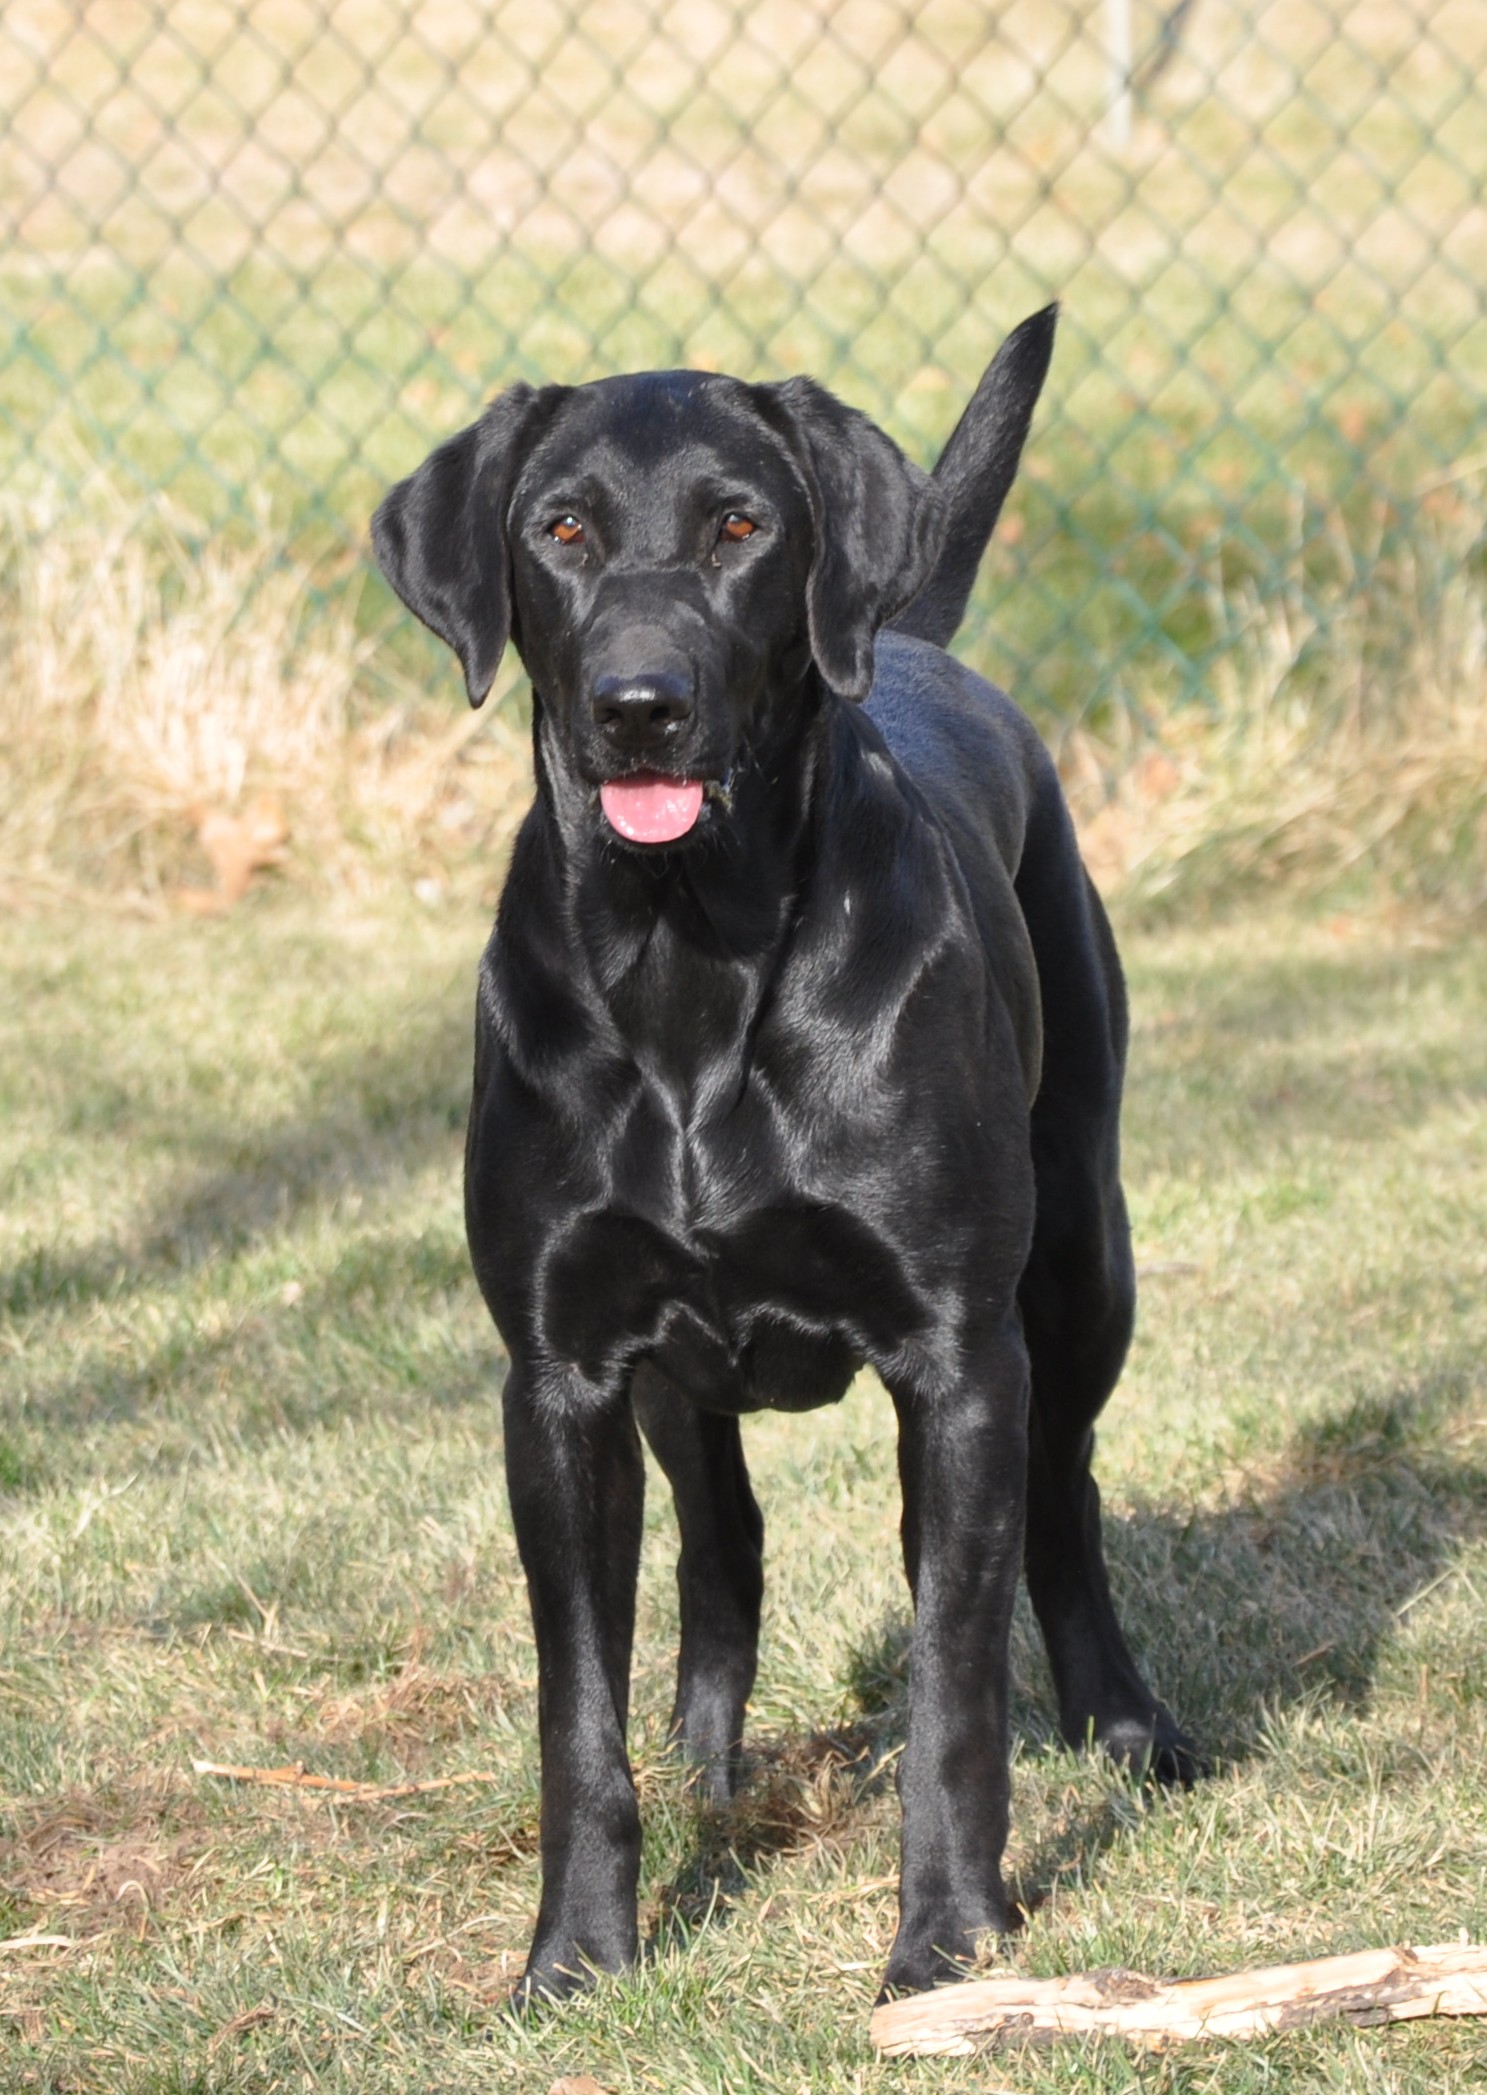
(1367, 1986)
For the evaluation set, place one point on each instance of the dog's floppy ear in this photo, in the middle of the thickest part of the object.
(877, 522)
(440, 536)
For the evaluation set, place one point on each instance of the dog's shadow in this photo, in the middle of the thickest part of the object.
(368, 1121)
(369, 1125)
(1289, 1593)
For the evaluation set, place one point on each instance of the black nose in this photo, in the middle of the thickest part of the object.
(644, 707)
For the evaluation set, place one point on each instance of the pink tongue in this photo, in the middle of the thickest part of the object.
(652, 810)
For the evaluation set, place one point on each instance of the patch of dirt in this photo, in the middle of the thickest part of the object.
(416, 1708)
(92, 1864)
(801, 1792)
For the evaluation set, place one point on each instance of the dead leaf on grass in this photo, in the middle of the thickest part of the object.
(237, 847)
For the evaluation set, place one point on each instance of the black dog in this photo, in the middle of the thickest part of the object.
(799, 1045)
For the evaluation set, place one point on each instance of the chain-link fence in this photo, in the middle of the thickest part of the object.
(261, 253)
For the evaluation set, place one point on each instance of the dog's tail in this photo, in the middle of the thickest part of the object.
(975, 471)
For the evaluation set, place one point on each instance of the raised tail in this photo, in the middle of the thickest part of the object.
(975, 471)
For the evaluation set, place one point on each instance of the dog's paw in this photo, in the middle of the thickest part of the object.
(544, 1988)
(557, 1971)
(712, 1781)
(1152, 1749)
(926, 1957)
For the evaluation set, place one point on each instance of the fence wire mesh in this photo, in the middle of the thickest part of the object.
(260, 256)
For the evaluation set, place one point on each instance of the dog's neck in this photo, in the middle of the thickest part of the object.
(681, 947)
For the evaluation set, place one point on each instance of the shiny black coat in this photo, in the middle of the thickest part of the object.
(833, 1078)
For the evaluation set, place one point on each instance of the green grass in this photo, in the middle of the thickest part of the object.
(253, 1511)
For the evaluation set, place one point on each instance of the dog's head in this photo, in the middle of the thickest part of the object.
(674, 555)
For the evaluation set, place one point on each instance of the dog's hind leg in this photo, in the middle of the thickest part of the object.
(1078, 1301)
(719, 1574)
(1078, 1304)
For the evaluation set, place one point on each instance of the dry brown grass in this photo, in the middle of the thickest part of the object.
(177, 717)
(173, 707)
(96, 1863)
(415, 1708)
(1344, 751)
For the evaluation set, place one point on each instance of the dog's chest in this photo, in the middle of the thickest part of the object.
(743, 1175)
(746, 1277)
(777, 1310)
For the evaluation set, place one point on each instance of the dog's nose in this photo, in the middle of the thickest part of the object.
(644, 707)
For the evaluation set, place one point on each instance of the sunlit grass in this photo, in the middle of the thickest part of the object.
(253, 1511)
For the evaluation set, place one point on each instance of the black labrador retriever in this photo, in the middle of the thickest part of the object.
(799, 1045)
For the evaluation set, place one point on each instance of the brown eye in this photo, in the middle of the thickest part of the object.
(568, 531)
(735, 527)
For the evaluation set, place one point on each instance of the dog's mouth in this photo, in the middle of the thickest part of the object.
(648, 807)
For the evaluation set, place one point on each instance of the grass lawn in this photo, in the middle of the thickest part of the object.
(251, 1509)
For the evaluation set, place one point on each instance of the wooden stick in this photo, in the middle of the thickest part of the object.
(296, 1776)
(1369, 1986)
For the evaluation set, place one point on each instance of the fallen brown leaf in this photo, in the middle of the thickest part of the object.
(236, 847)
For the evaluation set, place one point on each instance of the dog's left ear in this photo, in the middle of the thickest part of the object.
(440, 536)
(878, 523)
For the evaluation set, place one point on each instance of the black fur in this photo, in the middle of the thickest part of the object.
(832, 1078)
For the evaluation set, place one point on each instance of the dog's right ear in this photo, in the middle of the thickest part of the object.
(877, 525)
(440, 536)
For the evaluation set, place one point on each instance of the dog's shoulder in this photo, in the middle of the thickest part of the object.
(980, 776)
(973, 753)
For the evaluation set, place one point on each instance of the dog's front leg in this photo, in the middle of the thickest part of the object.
(963, 1465)
(577, 1484)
